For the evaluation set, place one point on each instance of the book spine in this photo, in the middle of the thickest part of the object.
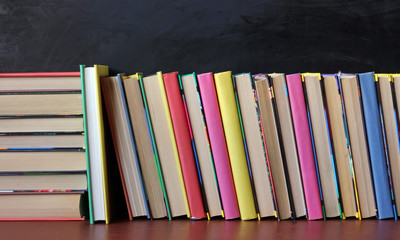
(230, 120)
(304, 147)
(183, 143)
(82, 74)
(173, 141)
(218, 145)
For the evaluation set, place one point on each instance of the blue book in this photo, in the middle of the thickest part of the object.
(375, 144)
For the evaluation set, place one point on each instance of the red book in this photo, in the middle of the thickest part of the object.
(184, 145)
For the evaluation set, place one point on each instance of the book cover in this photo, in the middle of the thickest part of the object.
(384, 82)
(371, 109)
(234, 142)
(183, 143)
(304, 147)
(96, 141)
(218, 145)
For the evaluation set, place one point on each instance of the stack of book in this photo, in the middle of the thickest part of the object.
(42, 156)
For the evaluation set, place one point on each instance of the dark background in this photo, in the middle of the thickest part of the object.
(200, 36)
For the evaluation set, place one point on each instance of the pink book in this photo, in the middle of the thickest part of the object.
(304, 147)
(218, 146)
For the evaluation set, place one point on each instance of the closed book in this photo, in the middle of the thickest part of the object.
(304, 146)
(218, 145)
(322, 144)
(157, 104)
(40, 82)
(41, 104)
(234, 142)
(255, 148)
(340, 144)
(43, 206)
(54, 124)
(391, 132)
(351, 99)
(42, 161)
(42, 141)
(21, 181)
(155, 190)
(273, 146)
(373, 129)
(289, 143)
(95, 143)
(124, 146)
(184, 145)
(202, 148)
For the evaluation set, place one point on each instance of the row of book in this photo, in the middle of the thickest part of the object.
(246, 146)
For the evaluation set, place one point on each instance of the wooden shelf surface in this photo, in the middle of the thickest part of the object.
(215, 229)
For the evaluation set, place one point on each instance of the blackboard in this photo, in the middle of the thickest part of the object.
(199, 36)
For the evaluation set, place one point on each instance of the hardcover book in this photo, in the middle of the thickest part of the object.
(373, 128)
(218, 145)
(234, 142)
(323, 151)
(273, 146)
(304, 147)
(358, 145)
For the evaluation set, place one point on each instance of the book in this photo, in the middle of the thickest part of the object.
(42, 181)
(41, 104)
(340, 144)
(255, 148)
(391, 132)
(40, 82)
(234, 142)
(42, 161)
(184, 145)
(373, 129)
(42, 206)
(99, 207)
(218, 146)
(202, 148)
(273, 146)
(351, 99)
(46, 141)
(56, 124)
(289, 142)
(155, 190)
(166, 146)
(124, 146)
(304, 146)
(322, 146)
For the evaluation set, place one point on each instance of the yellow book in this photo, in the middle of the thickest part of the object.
(234, 142)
